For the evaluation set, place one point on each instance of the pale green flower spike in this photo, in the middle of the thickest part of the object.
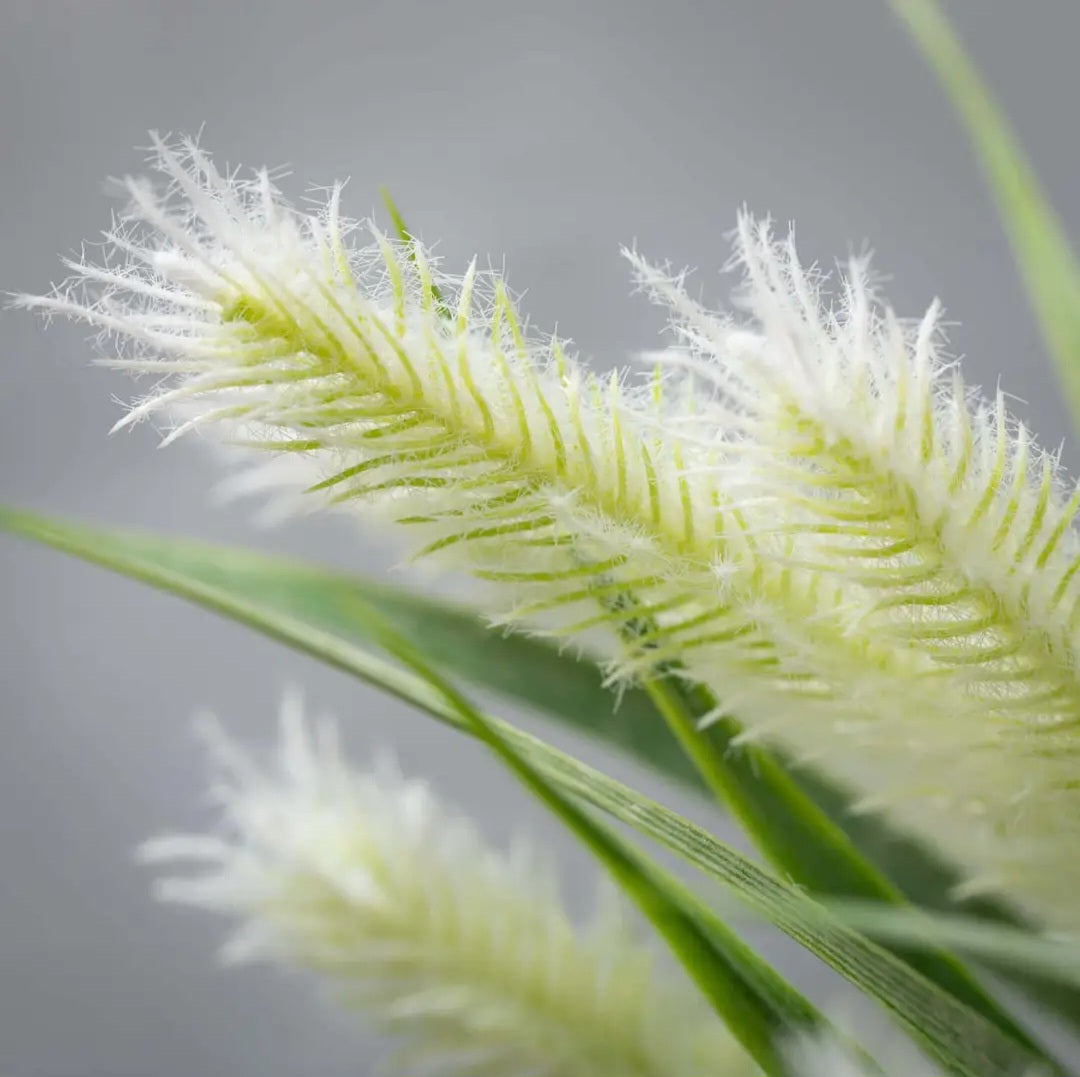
(464, 955)
(949, 540)
(807, 512)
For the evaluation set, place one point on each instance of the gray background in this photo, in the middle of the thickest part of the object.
(548, 133)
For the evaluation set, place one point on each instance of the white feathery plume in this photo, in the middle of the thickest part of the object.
(947, 532)
(464, 955)
(421, 394)
(804, 509)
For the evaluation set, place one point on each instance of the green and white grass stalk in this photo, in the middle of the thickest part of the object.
(802, 508)
(465, 956)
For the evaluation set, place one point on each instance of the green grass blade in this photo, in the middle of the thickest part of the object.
(552, 681)
(1046, 261)
(997, 945)
(268, 595)
(760, 1008)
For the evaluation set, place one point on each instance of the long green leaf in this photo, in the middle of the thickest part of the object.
(998, 945)
(813, 848)
(217, 579)
(760, 1008)
(553, 681)
(1046, 261)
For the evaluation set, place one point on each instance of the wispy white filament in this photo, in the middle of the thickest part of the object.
(464, 955)
(804, 508)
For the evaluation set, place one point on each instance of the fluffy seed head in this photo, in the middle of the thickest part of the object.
(947, 537)
(423, 395)
(463, 954)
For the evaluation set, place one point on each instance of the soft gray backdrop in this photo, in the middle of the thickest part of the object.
(548, 133)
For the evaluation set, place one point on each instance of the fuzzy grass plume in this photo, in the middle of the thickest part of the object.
(942, 540)
(464, 955)
(802, 507)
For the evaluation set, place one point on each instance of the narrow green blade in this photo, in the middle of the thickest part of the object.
(997, 945)
(799, 819)
(759, 1007)
(1046, 261)
(280, 600)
